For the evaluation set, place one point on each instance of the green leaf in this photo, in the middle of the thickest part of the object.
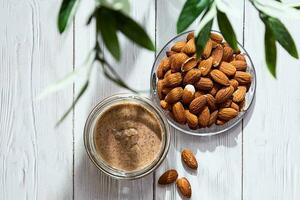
(189, 13)
(81, 92)
(133, 30)
(227, 30)
(66, 13)
(270, 50)
(281, 34)
(202, 38)
(107, 24)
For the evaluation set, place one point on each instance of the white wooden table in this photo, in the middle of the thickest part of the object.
(259, 159)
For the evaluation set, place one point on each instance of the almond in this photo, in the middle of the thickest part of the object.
(197, 104)
(170, 53)
(199, 93)
(189, 64)
(219, 77)
(223, 94)
(240, 65)
(226, 104)
(173, 80)
(220, 122)
(227, 68)
(179, 113)
(216, 37)
(164, 104)
(207, 49)
(191, 119)
(234, 83)
(235, 106)
(214, 90)
(189, 159)
(184, 187)
(217, 55)
(176, 61)
(174, 95)
(190, 47)
(239, 94)
(243, 77)
(227, 54)
(191, 35)
(166, 90)
(227, 113)
(242, 104)
(211, 102)
(177, 47)
(188, 94)
(160, 86)
(167, 73)
(168, 177)
(214, 44)
(240, 57)
(192, 76)
(204, 84)
(205, 66)
(204, 117)
(213, 118)
(163, 67)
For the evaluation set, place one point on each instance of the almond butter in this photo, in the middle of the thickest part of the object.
(192, 76)
(219, 77)
(204, 84)
(189, 64)
(227, 68)
(239, 94)
(184, 187)
(224, 93)
(179, 113)
(189, 159)
(211, 102)
(190, 47)
(173, 80)
(204, 117)
(217, 55)
(197, 104)
(227, 54)
(176, 61)
(235, 106)
(207, 49)
(240, 65)
(174, 95)
(188, 94)
(213, 118)
(191, 119)
(243, 77)
(227, 113)
(177, 47)
(234, 83)
(164, 104)
(168, 177)
(205, 66)
(216, 37)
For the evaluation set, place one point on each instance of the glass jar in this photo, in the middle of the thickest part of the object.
(89, 132)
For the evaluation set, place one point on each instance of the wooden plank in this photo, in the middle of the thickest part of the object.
(135, 68)
(220, 160)
(36, 159)
(271, 133)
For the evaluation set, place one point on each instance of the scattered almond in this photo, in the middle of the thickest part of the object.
(184, 187)
(170, 176)
(189, 159)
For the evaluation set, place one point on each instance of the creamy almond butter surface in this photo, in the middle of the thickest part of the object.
(128, 136)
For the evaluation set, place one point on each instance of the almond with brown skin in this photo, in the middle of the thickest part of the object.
(167, 73)
(214, 44)
(166, 90)
(217, 55)
(177, 47)
(160, 86)
(242, 104)
(191, 35)
(176, 61)
(216, 37)
(163, 67)
(243, 77)
(235, 106)
(240, 57)
(204, 84)
(234, 83)
(207, 49)
(227, 54)
(190, 47)
(191, 119)
(173, 80)
(188, 94)
(205, 66)
(219, 77)
(214, 90)
(164, 104)
(211, 102)
(227, 113)
(220, 122)
(239, 94)
(199, 93)
(189, 159)
(197, 104)
(226, 104)
(213, 118)
(170, 176)
(240, 65)
(184, 187)
(179, 113)
(224, 94)
(227, 68)
(192, 76)
(170, 53)
(204, 117)
(189, 64)
(174, 95)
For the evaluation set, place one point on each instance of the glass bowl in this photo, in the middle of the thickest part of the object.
(214, 129)
(89, 135)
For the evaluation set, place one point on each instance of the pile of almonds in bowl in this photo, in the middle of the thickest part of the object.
(203, 92)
